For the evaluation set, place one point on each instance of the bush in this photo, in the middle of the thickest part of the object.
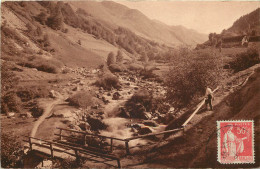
(32, 92)
(117, 68)
(119, 57)
(10, 102)
(111, 59)
(42, 18)
(107, 81)
(50, 65)
(189, 74)
(135, 67)
(36, 111)
(81, 99)
(56, 20)
(245, 60)
(11, 151)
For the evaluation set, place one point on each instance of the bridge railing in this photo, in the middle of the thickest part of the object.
(50, 145)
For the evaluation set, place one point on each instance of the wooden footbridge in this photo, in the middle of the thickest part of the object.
(93, 147)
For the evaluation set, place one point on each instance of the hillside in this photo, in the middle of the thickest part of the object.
(119, 15)
(247, 24)
(198, 146)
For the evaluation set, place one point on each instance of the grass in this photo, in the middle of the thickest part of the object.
(41, 64)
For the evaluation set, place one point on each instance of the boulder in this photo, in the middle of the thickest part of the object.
(123, 113)
(144, 130)
(27, 114)
(147, 115)
(53, 94)
(84, 126)
(74, 127)
(10, 114)
(75, 88)
(150, 123)
(116, 96)
(96, 123)
(63, 113)
(138, 111)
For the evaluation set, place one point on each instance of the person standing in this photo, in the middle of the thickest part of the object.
(209, 97)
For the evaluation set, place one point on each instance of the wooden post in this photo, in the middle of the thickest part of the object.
(118, 163)
(111, 145)
(30, 143)
(127, 147)
(77, 155)
(51, 148)
(60, 133)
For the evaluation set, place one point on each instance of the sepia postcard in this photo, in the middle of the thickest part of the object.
(130, 84)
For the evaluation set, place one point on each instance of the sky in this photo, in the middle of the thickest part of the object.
(204, 17)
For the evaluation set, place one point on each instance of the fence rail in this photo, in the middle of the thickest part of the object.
(75, 149)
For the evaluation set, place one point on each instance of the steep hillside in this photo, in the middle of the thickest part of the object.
(119, 15)
(198, 147)
(247, 24)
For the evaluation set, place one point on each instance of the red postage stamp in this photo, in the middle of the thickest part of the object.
(235, 142)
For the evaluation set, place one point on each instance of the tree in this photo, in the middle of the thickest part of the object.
(144, 57)
(119, 56)
(189, 74)
(55, 21)
(111, 58)
(42, 18)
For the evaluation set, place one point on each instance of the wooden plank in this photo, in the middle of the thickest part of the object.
(154, 134)
(76, 148)
(198, 107)
(96, 135)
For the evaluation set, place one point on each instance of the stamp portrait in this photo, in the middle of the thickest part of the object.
(235, 142)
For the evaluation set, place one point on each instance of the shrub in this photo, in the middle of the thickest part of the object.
(11, 103)
(189, 74)
(107, 81)
(50, 65)
(117, 68)
(135, 67)
(11, 151)
(42, 18)
(56, 20)
(111, 59)
(81, 99)
(32, 92)
(119, 57)
(245, 60)
(36, 111)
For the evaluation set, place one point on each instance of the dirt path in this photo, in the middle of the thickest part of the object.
(46, 113)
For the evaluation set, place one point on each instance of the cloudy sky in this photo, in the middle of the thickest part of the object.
(205, 17)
